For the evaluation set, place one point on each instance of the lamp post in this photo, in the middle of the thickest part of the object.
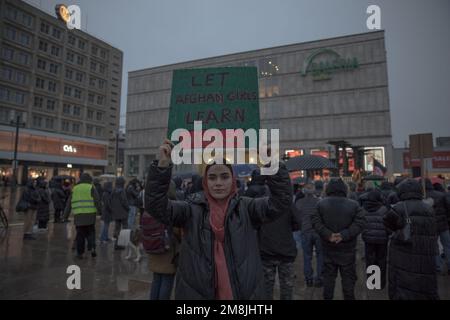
(17, 122)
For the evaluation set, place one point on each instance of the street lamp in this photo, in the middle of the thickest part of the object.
(17, 122)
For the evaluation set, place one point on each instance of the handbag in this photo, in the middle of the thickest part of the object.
(404, 234)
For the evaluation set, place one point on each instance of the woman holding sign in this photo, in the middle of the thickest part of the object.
(219, 257)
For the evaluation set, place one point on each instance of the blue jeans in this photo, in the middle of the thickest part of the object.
(312, 240)
(104, 232)
(445, 240)
(298, 238)
(131, 217)
(161, 286)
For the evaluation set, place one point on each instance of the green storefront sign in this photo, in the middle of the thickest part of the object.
(222, 98)
(321, 69)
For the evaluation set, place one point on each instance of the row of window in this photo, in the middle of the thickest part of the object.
(12, 96)
(17, 36)
(49, 48)
(73, 41)
(7, 115)
(13, 75)
(45, 84)
(92, 99)
(98, 67)
(55, 32)
(40, 102)
(99, 52)
(72, 110)
(97, 83)
(70, 57)
(48, 66)
(73, 92)
(17, 56)
(19, 16)
(74, 75)
(41, 121)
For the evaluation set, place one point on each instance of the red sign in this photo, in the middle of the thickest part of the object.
(441, 159)
(322, 153)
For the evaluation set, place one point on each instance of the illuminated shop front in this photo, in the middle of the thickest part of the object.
(48, 154)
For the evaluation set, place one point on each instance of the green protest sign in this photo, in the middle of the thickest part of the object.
(222, 98)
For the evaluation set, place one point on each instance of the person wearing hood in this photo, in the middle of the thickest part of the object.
(106, 212)
(31, 198)
(338, 221)
(119, 209)
(310, 239)
(352, 191)
(319, 186)
(375, 234)
(180, 194)
(219, 257)
(412, 264)
(442, 212)
(59, 200)
(85, 204)
(43, 210)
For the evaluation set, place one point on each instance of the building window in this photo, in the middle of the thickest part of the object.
(51, 104)
(6, 73)
(52, 86)
(45, 28)
(101, 84)
(92, 82)
(43, 45)
(25, 39)
(91, 98)
(10, 33)
(23, 58)
(70, 56)
(89, 130)
(49, 122)
(133, 165)
(81, 44)
(66, 108)
(103, 54)
(65, 125)
(94, 50)
(93, 66)
(71, 40)
(67, 91)
(40, 83)
(55, 51)
(80, 60)
(99, 116)
(69, 74)
(76, 111)
(21, 77)
(7, 54)
(90, 114)
(75, 128)
(53, 68)
(20, 98)
(98, 131)
(41, 64)
(38, 102)
(100, 100)
(77, 93)
(56, 33)
(37, 121)
(79, 77)
(102, 68)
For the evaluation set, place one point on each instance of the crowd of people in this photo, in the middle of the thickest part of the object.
(228, 241)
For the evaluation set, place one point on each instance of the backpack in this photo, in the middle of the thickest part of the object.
(155, 236)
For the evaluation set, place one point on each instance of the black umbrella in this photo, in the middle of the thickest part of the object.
(309, 162)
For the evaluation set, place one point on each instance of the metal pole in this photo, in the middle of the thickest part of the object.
(14, 184)
(117, 151)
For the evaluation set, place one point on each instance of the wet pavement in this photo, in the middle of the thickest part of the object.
(37, 269)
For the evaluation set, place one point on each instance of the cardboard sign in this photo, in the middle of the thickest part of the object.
(222, 98)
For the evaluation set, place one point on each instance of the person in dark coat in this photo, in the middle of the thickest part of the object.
(106, 211)
(43, 210)
(442, 213)
(375, 234)
(119, 209)
(219, 257)
(59, 200)
(412, 265)
(276, 244)
(32, 199)
(310, 239)
(338, 221)
(180, 194)
(132, 192)
(98, 187)
(352, 191)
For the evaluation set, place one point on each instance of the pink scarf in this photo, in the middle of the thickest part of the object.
(217, 215)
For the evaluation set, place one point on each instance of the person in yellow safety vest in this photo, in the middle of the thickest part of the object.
(85, 203)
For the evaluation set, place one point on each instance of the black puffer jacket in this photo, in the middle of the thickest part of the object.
(59, 197)
(31, 195)
(195, 275)
(337, 214)
(375, 231)
(119, 202)
(439, 206)
(133, 193)
(43, 209)
(106, 202)
(306, 207)
(257, 187)
(412, 266)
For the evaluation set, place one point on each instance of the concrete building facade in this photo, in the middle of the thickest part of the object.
(315, 92)
(65, 87)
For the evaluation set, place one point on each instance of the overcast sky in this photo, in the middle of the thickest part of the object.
(158, 32)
